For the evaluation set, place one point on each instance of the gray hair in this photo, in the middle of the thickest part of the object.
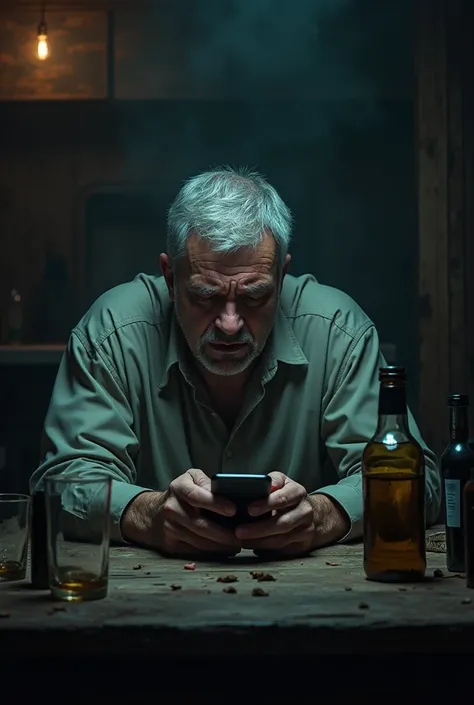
(231, 209)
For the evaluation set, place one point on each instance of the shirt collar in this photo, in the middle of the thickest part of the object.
(282, 346)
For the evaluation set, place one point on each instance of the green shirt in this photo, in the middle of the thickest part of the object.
(127, 402)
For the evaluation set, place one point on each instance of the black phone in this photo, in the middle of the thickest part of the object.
(242, 490)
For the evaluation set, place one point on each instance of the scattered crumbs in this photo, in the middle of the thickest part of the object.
(331, 563)
(302, 563)
(259, 592)
(4, 615)
(190, 566)
(363, 606)
(348, 589)
(137, 567)
(59, 608)
(158, 584)
(262, 577)
(466, 601)
(402, 589)
(266, 578)
(227, 579)
(147, 572)
(438, 573)
(174, 586)
(230, 590)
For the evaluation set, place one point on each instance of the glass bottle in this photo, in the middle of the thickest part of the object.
(393, 472)
(455, 463)
(15, 319)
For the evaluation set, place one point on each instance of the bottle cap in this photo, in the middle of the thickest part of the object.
(391, 372)
(458, 400)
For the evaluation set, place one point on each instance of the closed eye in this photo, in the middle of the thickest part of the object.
(203, 300)
(256, 300)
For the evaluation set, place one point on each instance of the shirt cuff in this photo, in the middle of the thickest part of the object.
(122, 495)
(350, 500)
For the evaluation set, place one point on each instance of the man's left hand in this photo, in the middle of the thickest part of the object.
(299, 522)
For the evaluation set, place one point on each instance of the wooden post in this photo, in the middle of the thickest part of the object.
(444, 165)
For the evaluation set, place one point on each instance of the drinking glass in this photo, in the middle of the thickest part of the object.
(14, 533)
(78, 516)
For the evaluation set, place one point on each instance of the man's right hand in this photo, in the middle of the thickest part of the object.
(172, 522)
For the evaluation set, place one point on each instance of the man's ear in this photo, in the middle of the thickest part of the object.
(167, 269)
(285, 268)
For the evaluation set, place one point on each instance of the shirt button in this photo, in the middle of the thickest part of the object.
(229, 454)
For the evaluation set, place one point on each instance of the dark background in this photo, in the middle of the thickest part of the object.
(316, 94)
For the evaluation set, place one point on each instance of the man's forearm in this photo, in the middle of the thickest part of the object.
(330, 520)
(138, 522)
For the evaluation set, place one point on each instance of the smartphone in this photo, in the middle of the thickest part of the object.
(242, 490)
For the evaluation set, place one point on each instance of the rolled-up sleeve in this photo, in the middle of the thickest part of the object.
(350, 411)
(89, 429)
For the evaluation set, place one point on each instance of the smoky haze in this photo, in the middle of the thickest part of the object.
(315, 94)
(328, 64)
(304, 48)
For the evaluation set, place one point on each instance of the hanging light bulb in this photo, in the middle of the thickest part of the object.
(43, 46)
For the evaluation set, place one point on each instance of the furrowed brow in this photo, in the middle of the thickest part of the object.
(203, 289)
(258, 288)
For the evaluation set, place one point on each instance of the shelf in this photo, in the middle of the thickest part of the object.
(31, 355)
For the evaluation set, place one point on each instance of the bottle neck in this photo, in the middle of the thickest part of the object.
(458, 424)
(393, 415)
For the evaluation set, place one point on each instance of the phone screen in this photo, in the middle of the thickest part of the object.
(242, 490)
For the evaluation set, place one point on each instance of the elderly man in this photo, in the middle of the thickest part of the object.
(226, 363)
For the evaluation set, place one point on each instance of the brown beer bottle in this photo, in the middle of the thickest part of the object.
(455, 464)
(393, 475)
(468, 497)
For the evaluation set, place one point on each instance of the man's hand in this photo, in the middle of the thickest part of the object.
(299, 522)
(171, 521)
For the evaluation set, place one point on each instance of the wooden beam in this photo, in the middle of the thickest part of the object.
(468, 102)
(84, 5)
(444, 163)
(431, 126)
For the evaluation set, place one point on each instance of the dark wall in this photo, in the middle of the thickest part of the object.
(354, 212)
(317, 96)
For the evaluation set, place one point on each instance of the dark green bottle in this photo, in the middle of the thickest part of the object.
(456, 463)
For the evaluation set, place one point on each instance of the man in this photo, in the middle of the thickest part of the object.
(224, 364)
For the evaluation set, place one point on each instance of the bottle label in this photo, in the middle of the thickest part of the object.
(452, 490)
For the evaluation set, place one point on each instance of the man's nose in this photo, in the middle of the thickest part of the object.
(229, 320)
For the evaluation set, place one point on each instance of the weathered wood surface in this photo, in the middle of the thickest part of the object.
(444, 56)
(321, 604)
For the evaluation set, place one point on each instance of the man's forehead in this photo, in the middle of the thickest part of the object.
(255, 263)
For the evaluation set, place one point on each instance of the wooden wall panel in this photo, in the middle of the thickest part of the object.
(444, 152)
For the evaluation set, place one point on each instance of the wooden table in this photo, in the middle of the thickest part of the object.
(319, 613)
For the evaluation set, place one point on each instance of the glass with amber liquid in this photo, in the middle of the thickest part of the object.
(78, 541)
(393, 473)
(14, 534)
(456, 462)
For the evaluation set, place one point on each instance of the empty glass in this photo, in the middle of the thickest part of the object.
(78, 515)
(14, 534)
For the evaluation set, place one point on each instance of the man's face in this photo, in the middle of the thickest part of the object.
(226, 303)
